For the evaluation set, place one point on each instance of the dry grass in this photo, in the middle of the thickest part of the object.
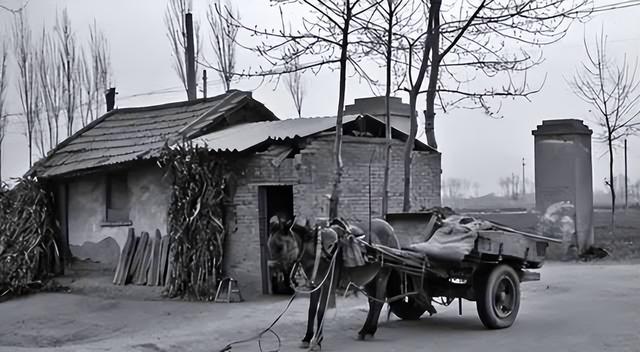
(624, 243)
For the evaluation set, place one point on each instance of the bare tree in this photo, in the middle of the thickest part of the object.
(174, 20)
(327, 38)
(96, 73)
(68, 56)
(635, 191)
(466, 39)
(393, 20)
(515, 186)
(14, 11)
(476, 189)
(4, 82)
(51, 82)
(505, 186)
(222, 37)
(612, 91)
(295, 86)
(28, 88)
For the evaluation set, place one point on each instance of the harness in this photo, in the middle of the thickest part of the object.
(321, 253)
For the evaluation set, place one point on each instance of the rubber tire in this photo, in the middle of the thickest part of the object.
(409, 310)
(485, 296)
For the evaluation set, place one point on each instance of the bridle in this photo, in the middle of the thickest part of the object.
(320, 253)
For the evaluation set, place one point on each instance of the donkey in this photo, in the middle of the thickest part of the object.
(301, 242)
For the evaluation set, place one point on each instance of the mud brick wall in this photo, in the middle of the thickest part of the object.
(149, 197)
(310, 173)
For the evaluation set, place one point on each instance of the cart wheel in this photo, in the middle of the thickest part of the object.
(498, 297)
(407, 308)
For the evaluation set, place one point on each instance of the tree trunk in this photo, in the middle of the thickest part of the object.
(30, 148)
(432, 29)
(612, 185)
(408, 147)
(337, 148)
(433, 72)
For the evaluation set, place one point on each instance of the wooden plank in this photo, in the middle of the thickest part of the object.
(509, 244)
(137, 259)
(123, 254)
(159, 270)
(146, 262)
(152, 275)
(163, 260)
(128, 261)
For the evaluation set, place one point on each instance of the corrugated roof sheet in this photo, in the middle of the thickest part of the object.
(242, 137)
(137, 133)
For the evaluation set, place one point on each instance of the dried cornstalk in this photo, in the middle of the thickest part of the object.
(196, 221)
(29, 254)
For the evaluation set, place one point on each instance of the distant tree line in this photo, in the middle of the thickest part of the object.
(60, 82)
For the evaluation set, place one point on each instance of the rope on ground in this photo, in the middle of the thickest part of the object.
(268, 329)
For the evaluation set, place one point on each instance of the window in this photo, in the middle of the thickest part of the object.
(117, 198)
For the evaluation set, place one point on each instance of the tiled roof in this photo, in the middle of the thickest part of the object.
(130, 134)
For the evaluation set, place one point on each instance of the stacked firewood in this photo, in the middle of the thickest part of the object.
(196, 216)
(28, 251)
(144, 260)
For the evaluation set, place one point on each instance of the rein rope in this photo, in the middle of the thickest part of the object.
(269, 329)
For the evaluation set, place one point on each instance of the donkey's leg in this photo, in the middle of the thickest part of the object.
(324, 297)
(378, 292)
(370, 289)
(381, 290)
(313, 308)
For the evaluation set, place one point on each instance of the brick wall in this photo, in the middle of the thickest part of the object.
(311, 173)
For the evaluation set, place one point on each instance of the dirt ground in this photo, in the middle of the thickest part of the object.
(576, 307)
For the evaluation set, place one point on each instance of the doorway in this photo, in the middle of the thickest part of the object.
(273, 200)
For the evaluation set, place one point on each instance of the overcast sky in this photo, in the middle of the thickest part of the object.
(473, 145)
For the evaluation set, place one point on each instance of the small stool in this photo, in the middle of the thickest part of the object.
(233, 292)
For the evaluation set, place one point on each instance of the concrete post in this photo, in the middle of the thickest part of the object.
(563, 172)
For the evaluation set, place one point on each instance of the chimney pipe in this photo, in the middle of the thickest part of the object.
(110, 97)
(190, 60)
(430, 130)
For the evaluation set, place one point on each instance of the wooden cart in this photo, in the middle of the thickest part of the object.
(490, 275)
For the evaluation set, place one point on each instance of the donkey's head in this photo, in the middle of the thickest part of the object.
(282, 244)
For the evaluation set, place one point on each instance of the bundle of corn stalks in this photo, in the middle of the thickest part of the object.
(28, 251)
(196, 222)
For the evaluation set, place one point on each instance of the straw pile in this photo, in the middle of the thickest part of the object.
(196, 222)
(28, 251)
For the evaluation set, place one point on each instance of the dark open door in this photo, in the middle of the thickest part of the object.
(263, 228)
(272, 200)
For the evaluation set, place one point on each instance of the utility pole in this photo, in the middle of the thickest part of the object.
(523, 180)
(204, 84)
(626, 179)
(190, 59)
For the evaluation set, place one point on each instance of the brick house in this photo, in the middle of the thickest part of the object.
(106, 180)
